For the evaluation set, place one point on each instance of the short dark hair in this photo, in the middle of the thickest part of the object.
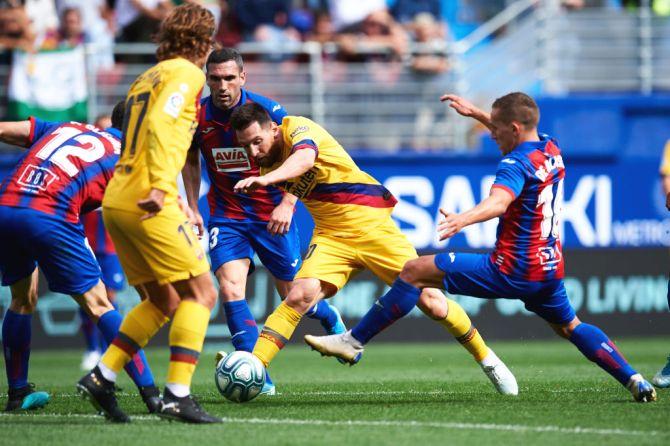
(247, 114)
(225, 55)
(518, 107)
(118, 113)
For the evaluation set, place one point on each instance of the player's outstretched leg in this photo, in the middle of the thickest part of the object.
(455, 320)
(396, 303)
(662, 377)
(328, 316)
(597, 347)
(16, 337)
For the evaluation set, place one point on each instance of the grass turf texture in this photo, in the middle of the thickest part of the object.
(398, 394)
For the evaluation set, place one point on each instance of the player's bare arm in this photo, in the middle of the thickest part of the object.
(280, 219)
(16, 133)
(468, 109)
(191, 175)
(493, 206)
(294, 166)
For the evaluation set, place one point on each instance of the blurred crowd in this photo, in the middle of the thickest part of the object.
(361, 29)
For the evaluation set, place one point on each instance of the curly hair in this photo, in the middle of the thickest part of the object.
(186, 32)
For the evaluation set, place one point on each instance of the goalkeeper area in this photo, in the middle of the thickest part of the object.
(399, 394)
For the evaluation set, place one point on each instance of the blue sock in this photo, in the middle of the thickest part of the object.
(243, 328)
(138, 367)
(400, 300)
(91, 333)
(323, 312)
(595, 345)
(16, 334)
(242, 325)
(103, 344)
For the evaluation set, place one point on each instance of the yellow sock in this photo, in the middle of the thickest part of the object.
(276, 332)
(139, 325)
(459, 325)
(187, 334)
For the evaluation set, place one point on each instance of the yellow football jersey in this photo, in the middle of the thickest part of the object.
(665, 162)
(342, 199)
(161, 110)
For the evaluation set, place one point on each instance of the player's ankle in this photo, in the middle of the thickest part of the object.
(107, 373)
(490, 359)
(179, 390)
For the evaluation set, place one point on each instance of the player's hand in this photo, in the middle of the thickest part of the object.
(280, 219)
(152, 204)
(450, 225)
(249, 185)
(462, 106)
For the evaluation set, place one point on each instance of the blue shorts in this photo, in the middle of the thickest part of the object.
(112, 273)
(475, 275)
(234, 239)
(30, 238)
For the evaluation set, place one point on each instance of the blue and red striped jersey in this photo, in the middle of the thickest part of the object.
(227, 162)
(96, 234)
(65, 171)
(528, 244)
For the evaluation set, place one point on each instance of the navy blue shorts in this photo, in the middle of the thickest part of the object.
(234, 239)
(112, 273)
(475, 275)
(30, 238)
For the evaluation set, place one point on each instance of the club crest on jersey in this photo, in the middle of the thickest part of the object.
(35, 179)
(549, 256)
(230, 159)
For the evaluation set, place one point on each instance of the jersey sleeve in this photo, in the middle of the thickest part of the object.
(302, 137)
(510, 176)
(665, 162)
(39, 128)
(162, 141)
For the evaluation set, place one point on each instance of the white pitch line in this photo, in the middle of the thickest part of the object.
(365, 392)
(387, 423)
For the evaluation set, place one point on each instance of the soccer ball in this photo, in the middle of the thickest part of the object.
(240, 376)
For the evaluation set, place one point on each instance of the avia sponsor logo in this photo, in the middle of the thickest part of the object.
(586, 216)
(35, 178)
(230, 159)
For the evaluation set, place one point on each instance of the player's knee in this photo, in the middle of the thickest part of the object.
(231, 291)
(433, 304)
(300, 299)
(208, 297)
(411, 272)
(24, 304)
(97, 305)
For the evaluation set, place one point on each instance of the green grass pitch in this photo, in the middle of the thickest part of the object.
(412, 394)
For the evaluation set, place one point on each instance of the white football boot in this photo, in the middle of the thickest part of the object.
(501, 377)
(662, 378)
(342, 346)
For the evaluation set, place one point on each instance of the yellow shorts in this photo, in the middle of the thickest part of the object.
(384, 251)
(163, 248)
